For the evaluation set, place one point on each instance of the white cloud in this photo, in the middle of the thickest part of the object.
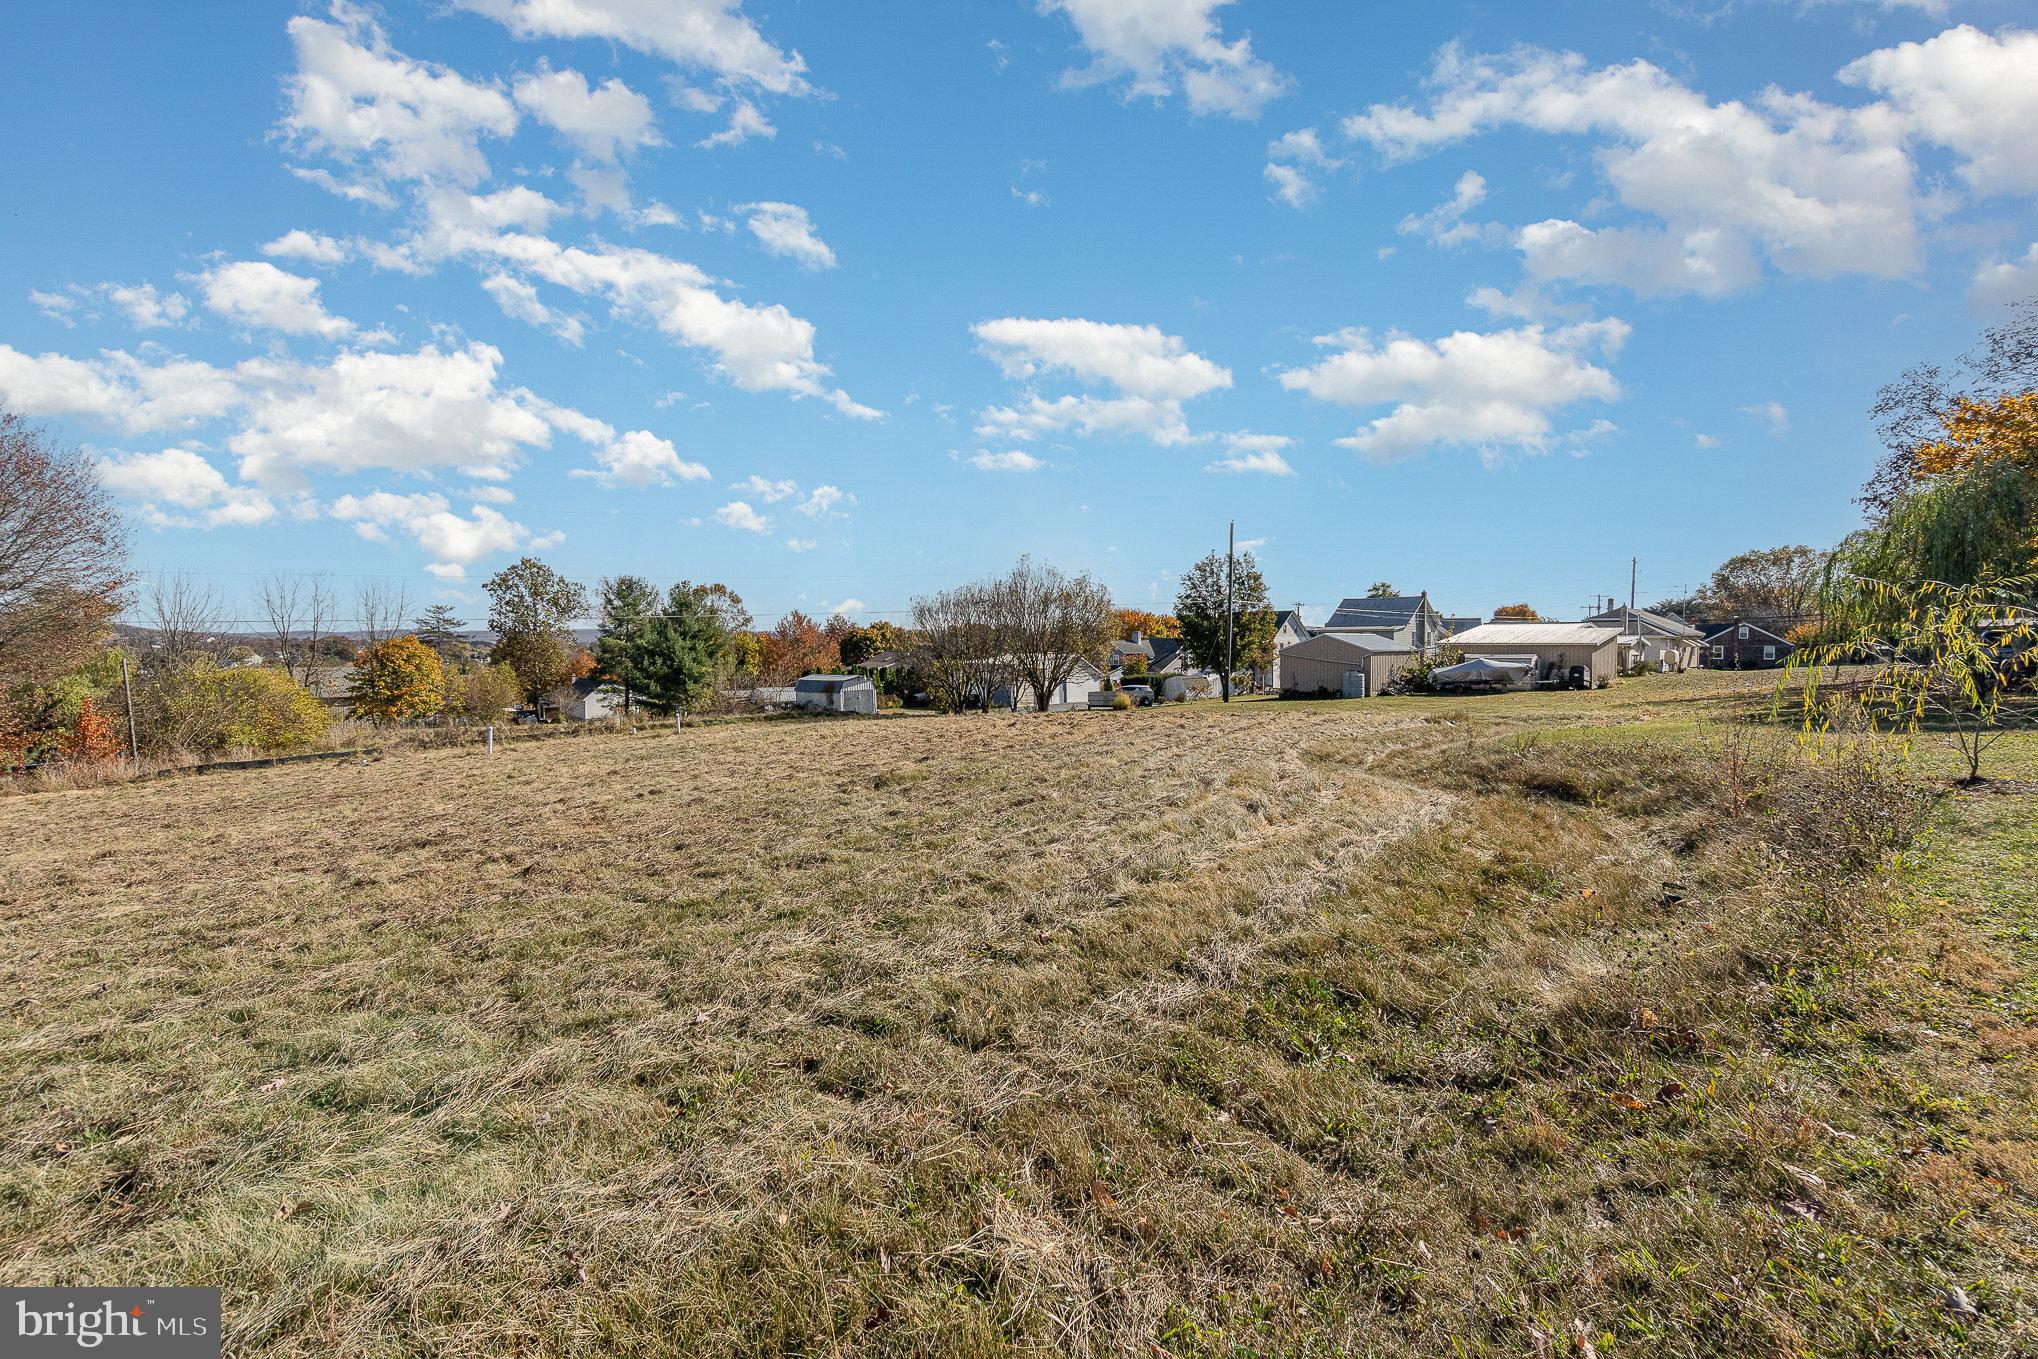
(355, 99)
(640, 458)
(454, 543)
(710, 36)
(1771, 413)
(257, 293)
(183, 480)
(746, 120)
(353, 190)
(404, 412)
(1013, 460)
(1973, 94)
(759, 348)
(1138, 360)
(737, 514)
(785, 229)
(1032, 198)
(1489, 391)
(146, 309)
(1293, 162)
(1445, 223)
(801, 544)
(56, 306)
(823, 500)
(309, 246)
(1254, 453)
(602, 124)
(846, 607)
(2001, 282)
(1811, 188)
(1153, 372)
(519, 301)
(1161, 46)
(1706, 440)
(771, 492)
(117, 388)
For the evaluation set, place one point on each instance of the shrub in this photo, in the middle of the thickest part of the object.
(205, 708)
(398, 679)
(1121, 702)
(481, 694)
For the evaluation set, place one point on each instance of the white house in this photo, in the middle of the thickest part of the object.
(1652, 640)
(584, 700)
(1073, 692)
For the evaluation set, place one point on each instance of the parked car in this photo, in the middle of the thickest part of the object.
(1140, 694)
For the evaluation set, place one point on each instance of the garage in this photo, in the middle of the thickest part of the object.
(1342, 665)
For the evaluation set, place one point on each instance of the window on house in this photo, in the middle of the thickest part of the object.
(1768, 653)
(1744, 632)
(1719, 653)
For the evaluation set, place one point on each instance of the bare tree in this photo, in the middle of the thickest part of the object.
(187, 616)
(382, 605)
(299, 611)
(957, 648)
(1051, 624)
(61, 553)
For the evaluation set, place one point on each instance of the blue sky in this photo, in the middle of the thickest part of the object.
(840, 304)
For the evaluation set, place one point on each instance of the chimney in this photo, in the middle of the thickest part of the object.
(1137, 637)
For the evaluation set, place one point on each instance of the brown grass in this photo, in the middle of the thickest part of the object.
(1399, 1028)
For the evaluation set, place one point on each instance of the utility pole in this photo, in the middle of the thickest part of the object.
(134, 747)
(1634, 568)
(1230, 548)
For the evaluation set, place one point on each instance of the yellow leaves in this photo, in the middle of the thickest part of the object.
(1982, 432)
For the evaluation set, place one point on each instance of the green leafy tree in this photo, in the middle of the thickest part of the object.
(1778, 583)
(1199, 607)
(482, 693)
(529, 607)
(399, 679)
(1946, 657)
(1381, 589)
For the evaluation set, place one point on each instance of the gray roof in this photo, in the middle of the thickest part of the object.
(1390, 611)
(1165, 650)
(829, 684)
(1625, 619)
(1370, 643)
(1282, 616)
(1460, 622)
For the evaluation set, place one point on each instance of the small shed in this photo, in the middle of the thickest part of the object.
(836, 693)
(1342, 665)
(1552, 649)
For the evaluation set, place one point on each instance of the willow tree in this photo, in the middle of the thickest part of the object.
(1946, 658)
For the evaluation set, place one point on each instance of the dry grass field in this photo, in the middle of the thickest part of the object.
(1538, 1026)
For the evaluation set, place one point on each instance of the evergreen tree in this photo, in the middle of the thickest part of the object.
(439, 629)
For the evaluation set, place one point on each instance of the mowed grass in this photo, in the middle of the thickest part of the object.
(1514, 1026)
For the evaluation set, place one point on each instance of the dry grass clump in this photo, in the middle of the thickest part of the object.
(1386, 1028)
